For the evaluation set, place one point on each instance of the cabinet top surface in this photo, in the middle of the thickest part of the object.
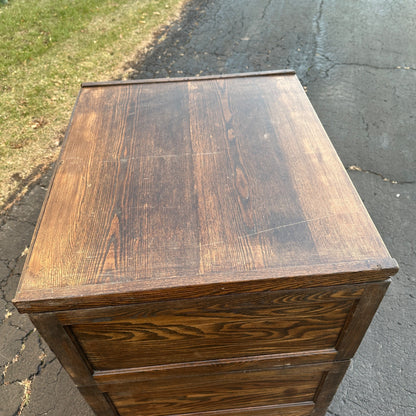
(196, 181)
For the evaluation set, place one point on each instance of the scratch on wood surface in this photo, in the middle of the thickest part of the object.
(278, 227)
(183, 155)
(125, 160)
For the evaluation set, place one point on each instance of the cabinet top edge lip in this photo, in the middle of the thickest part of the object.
(280, 72)
(101, 294)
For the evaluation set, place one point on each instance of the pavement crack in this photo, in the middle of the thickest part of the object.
(366, 65)
(366, 125)
(317, 24)
(385, 179)
(27, 384)
(5, 261)
(15, 326)
(4, 280)
(12, 265)
(263, 16)
(17, 356)
(333, 64)
(17, 219)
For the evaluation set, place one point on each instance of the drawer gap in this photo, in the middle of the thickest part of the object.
(256, 363)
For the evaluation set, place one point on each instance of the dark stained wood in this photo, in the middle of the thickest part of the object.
(299, 409)
(208, 392)
(327, 388)
(360, 319)
(281, 72)
(213, 367)
(202, 251)
(92, 296)
(194, 183)
(100, 403)
(62, 344)
(213, 305)
(215, 328)
(72, 359)
(134, 344)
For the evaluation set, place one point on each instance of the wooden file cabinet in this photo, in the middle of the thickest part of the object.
(202, 251)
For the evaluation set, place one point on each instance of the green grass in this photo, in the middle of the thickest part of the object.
(47, 48)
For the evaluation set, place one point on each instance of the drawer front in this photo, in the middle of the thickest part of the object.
(301, 409)
(287, 390)
(290, 410)
(212, 328)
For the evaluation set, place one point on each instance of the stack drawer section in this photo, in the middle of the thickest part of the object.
(212, 328)
(260, 353)
(207, 389)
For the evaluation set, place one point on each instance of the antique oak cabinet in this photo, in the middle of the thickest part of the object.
(202, 251)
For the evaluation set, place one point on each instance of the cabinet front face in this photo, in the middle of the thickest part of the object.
(258, 353)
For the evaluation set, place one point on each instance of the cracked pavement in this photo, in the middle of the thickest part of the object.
(357, 62)
(32, 381)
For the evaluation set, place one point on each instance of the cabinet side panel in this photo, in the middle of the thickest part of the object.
(67, 352)
(360, 319)
(327, 388)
